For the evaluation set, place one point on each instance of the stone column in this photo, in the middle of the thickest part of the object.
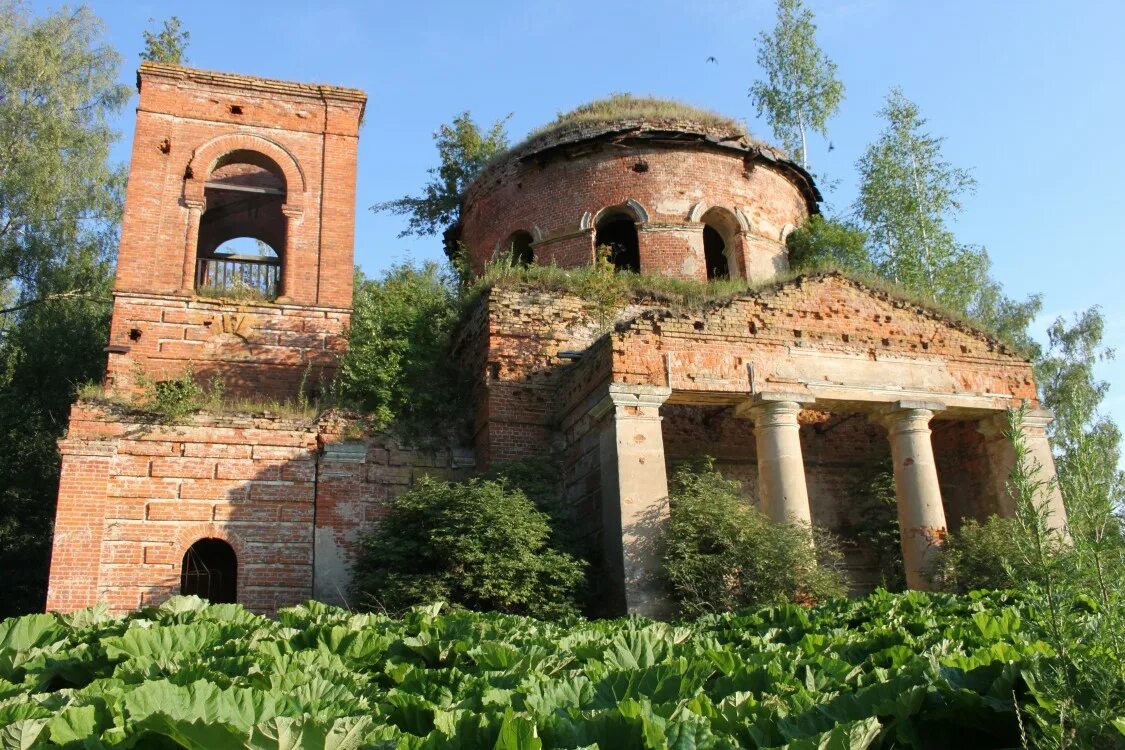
(634, 489)
(921, 515)
(195, 208)
(782, 491)
(1002, 460)
(289, 254)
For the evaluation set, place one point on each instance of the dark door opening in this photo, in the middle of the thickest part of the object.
(209, 570)
(618, 232)
(715, 254)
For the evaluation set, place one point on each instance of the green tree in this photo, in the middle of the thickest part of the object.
(167, 45)
(477, 544)
(822, 242)
(464, 150)
(1087, 443)
(801, 91)
(397, 365)
(59, 197)
(60, 201)
(908, 194)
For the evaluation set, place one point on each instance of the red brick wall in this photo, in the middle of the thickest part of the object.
(553, 193)
(186, 122)
(291, 502)
(261, 350)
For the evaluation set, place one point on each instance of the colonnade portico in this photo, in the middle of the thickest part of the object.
(634, 483)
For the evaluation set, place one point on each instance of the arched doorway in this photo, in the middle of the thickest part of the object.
(721, 233)
(519, 248)
(618, 232)
(210, 570)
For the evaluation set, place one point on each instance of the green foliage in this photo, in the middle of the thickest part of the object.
(887, 671)
(477, 544)
(908, 193)
(873, 511)
(1087, 442)
(828, 242)
(59, 198)
(59, 202)
(397, 366)
(38, 377)
(464, 150)
(1074, 588)
(172, 400)
(1076, 602)
(982, 556)
(801, 91)
(167, 45)
(721, 553)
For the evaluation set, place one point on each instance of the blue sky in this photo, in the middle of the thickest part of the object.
(1027, 95)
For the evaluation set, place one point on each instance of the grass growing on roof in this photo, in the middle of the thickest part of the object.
(628, 107)
(601, 285)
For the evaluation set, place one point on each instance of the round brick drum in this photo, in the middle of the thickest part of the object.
(687, 197)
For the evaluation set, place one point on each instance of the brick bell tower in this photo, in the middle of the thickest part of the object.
(237, 237)
(235, 263)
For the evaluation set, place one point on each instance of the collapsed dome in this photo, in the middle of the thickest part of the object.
(655, 186)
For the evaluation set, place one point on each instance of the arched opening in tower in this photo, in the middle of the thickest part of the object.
(518, 245)
(209, 570)
(244, 195)
(715, 254)
(617, 233)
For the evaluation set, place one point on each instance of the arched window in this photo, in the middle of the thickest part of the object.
(720, 244)
(518, 245)
(243, 218)
(209, 570)
(617, 231)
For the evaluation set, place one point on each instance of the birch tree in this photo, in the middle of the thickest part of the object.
(909, 193)
(800, 92)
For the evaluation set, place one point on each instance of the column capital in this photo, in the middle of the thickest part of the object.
(909, 416)
(292, 211)
(195, 204)
(640, 396)
(762, 405)
(1035, 422)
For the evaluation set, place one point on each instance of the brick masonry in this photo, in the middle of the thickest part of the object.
(197, 126)
(557, 191)
(291, 497)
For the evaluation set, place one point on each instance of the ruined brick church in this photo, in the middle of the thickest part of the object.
(794, 388)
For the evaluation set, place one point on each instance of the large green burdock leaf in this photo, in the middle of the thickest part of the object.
(22, 734)
(239, 707)
(73, 724)
(162, 640)
(517, 733)
(29, 631)
(192, 735)
(856, 735)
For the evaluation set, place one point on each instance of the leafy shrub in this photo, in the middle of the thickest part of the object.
(397, 365)
(172, 400)
(477, 544)
(721, 553)
(827, 242)
(982, 556)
